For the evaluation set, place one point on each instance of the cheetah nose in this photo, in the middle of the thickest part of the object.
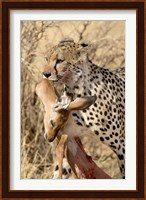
(46, 74)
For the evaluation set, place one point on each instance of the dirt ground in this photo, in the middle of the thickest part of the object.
(107, 49)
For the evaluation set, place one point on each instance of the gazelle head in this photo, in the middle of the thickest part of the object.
(57, 108)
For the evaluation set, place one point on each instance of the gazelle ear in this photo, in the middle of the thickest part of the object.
(63, 101)
(82, 103)
(59, 107)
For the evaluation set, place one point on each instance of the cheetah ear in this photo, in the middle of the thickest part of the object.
(82, 103)
(83, 51)
(66, 40)
(84, 44)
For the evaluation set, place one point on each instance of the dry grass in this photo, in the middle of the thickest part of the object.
(37, 37)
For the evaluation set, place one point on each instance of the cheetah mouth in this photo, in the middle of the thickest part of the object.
(60, 79)
(55, 78)
(52, 77)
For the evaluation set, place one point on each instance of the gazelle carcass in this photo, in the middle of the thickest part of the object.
(58, 122)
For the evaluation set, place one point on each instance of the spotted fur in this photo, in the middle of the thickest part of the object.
(68, 63)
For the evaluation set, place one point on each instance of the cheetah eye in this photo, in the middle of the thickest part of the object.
(59, 61)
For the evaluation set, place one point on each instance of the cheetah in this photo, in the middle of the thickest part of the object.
(69, 64)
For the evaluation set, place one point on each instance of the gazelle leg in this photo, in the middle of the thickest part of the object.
(70, 161)
(60, 153)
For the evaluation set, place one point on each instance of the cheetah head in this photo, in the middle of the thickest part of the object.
(66, 62)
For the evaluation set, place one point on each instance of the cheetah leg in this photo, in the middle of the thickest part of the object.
(60, 153)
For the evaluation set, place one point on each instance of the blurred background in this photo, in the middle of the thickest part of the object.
(107, 49)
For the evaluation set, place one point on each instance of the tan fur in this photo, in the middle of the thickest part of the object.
(58, 121)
